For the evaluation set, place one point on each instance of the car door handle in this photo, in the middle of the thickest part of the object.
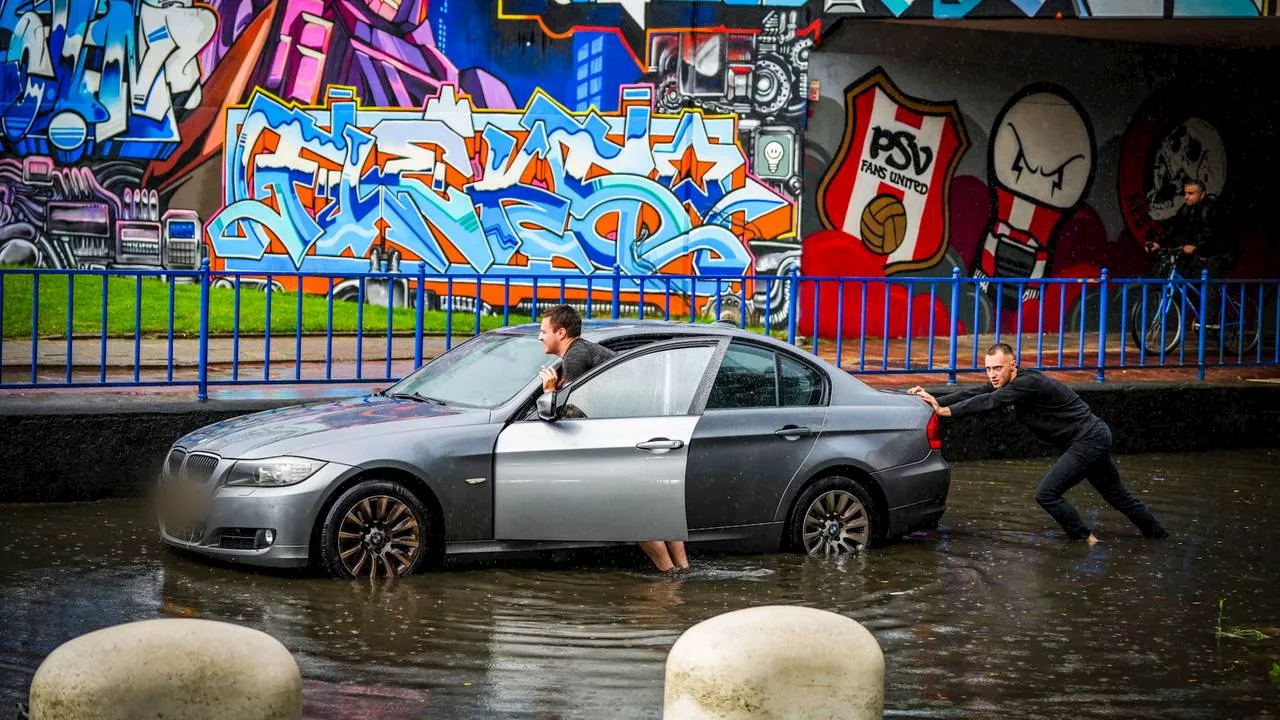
(791, 432)
(658, 445)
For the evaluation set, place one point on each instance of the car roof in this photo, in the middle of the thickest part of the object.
(845, 387)
(602, 330)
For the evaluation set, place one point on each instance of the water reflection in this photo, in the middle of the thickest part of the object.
(993, 615)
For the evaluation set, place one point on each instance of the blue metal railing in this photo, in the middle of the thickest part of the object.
(212, 328)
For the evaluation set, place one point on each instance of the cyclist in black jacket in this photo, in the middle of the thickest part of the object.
(1198, 233)
(1056, 414)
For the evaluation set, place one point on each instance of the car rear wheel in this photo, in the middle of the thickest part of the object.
(375, 529)
(834, 516)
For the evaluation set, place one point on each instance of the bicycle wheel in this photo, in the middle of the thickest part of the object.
(1240, 323)
(1159, 319)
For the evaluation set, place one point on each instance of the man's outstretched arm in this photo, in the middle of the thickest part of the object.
(931, 400)
(1017, 389)
(939, 405)
(963, 394)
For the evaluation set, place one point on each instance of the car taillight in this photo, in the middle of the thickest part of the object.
(935, 437)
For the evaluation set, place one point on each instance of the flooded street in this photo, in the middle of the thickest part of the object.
(995, 615)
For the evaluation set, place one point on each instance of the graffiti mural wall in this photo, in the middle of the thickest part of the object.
(535, 191)
(506, 138)
(1071, 167)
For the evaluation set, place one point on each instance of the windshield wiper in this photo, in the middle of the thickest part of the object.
(417, 397)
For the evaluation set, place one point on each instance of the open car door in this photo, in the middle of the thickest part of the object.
(610, 465)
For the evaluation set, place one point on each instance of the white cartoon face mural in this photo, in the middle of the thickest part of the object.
(1043, 150)
(1191, 151)
(1041, 165)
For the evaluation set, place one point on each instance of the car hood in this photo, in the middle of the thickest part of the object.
(295, 428)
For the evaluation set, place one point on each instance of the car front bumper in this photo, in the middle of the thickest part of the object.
(232, 515)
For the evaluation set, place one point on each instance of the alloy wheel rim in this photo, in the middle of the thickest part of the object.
(835, 523)
(379, 536)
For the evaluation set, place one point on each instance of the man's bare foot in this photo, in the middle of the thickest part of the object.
(657, 552)
(676, 550)
(1091, 539)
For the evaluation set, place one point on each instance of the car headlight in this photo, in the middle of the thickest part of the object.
(273, 472)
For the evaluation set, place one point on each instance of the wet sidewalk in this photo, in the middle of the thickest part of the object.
(356, 364)
(91, 353)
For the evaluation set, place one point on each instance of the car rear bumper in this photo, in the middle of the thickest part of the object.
(235, 516)
(916, 494)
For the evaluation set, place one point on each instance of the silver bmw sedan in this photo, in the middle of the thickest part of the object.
(704, 433)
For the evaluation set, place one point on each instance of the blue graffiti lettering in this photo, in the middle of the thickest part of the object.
(510, 192)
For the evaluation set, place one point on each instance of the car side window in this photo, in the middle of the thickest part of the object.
(799, 383)
(747, 378)
(655, 384)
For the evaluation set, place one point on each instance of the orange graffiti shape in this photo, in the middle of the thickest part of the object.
(691, 168)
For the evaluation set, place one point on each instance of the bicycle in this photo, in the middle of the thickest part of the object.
(1158, 312)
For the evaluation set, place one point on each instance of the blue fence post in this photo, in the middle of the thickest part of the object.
(955, 325)
(1102, 327)
(448, 313)
(202, 389)
(793, 304)
(1204, 297)
(617, 289)
(419, 301)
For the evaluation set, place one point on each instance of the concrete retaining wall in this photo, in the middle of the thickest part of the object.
(92, 448)
(1144, 418)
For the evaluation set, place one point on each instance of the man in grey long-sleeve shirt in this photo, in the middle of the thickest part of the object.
(1054, 413)
(561, 335)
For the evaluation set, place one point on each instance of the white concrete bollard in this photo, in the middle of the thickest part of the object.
(775, 661)
(171, 668)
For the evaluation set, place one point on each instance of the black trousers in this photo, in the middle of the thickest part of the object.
(1090, 458)
(1189, 266)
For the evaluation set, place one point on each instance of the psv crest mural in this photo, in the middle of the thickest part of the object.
(889, 184)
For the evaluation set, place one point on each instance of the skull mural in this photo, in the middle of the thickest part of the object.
(1191, 151)
(1040, 165)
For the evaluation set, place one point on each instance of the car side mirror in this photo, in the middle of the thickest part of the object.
(548, 408)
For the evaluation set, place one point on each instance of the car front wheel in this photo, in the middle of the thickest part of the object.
(375, 529)
(833, 516)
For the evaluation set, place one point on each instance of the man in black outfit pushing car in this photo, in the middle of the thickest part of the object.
(1054, 413)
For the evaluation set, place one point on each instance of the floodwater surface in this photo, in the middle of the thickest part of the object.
(995, 615)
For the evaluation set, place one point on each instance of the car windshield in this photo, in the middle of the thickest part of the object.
(483, 372)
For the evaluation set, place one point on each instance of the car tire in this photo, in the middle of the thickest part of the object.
(834, 516)
(375, 529)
